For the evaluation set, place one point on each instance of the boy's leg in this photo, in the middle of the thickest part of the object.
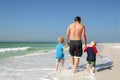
(63, 61)
(57, 64)
(88, 67)
(93, 70)
(93, 66)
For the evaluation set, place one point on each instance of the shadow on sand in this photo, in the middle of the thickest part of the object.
(99, 67)
(105, 66)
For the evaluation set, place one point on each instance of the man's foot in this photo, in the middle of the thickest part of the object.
(75, 70)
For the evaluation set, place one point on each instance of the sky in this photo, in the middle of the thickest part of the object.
(45, 20)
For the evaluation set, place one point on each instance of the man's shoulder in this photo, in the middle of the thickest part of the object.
(82, 25)
(71, 24)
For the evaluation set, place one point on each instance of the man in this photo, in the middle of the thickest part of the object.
(75, 32)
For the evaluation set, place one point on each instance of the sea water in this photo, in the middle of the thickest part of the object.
(36, 61)
(8, 49)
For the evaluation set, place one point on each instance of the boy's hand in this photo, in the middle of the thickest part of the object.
(85, 46)
(66, 46)
(100, 56)
(85, 49)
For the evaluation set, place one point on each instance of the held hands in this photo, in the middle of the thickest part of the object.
(84, 47)
(66, 46)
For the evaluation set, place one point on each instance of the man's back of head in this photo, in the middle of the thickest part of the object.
(77, 18)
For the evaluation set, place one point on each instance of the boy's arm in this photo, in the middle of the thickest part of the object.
(99, 55)
(95, 50)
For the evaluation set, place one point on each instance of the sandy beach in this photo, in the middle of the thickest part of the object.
(110, 73)
(108, 70)
(31, 66)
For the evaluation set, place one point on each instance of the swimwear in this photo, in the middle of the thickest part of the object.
(91, 53)
(75, 48)
(59, 51)
(58, 60)
(92, 63)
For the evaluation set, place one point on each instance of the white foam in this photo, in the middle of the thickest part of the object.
(116, 46)
(44, 79)
(48, 69)
(55, 78)
(2, 50)
(32, 54)
(27, 55)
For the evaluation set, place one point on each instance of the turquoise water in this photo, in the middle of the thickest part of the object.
(8, 49)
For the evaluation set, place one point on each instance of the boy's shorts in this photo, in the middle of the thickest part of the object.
(92, 63)
(58, 60)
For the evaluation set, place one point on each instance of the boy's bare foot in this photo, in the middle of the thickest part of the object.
(87, 71)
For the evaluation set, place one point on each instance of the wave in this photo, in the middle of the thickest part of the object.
(2, 50)
(34, 54)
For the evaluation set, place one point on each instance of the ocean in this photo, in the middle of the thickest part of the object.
(9, 49)
(36, 61)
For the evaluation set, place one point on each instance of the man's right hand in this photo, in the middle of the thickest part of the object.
(66, 46)
(85, 46)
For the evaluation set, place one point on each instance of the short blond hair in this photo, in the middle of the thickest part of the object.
(93, 43)
(60, 39)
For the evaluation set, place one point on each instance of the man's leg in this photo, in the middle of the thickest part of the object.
(76, 64)
(72, 60)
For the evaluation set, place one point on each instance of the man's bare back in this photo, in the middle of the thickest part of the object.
(75, 31)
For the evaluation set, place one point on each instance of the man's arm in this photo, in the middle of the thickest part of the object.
(84, 37)
(67, 36)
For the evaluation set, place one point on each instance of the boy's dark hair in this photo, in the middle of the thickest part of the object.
(77, 18)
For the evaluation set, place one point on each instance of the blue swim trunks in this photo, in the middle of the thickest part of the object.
(59, 51)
